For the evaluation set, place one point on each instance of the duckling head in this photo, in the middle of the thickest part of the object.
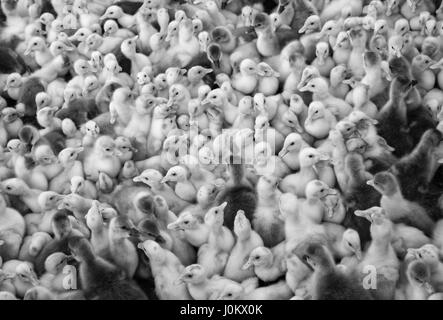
(46, 18)
(110, 27)
(124, 148)
(268, 183)
(339, 73)
(174, 75)
(194, 273)
(175, 174)
(422, 62)
(16, 146)
(81, 67)
(419, 275)
(207, 193)
(186, 221)
(216, 97)
(90, 84)
(231, 291)
(221, 35)
(247, 15)
(91, 128)
(10, 115)
(81, 249)
(197, 26)
(35, 44)
(260, 256)
(351, 241)
(14, 80)
(204, 39)
(316, 110)
(401, 27)
(400, 87)
(242, 225)
(105, 146)
(381, 27)
(330, 27)
(49, 200)
(430, 46)
(214, 53)
(293, 142)
(322, 51)
(265, 70)
(261, 123)
(44, 155)
(120, 227)
(61, 225)
(357, 145)
(312, 24)
(112, 12)
(173, 28)
(215, 216)
(318, 189)
(385, 183)
(93, 41)
(152, 250)
(197, 73)
(314, 254)
(342, 41)
(315, 85)
(25, 272)
(55, 263)
(69, 155)
(150, 177)
(58, 47)
(346, 128)
(310, 156)
(395, 46)
(429, 254)
(245, 105)
(80, 35)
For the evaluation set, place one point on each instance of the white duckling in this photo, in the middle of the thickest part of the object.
(38, 46)
(320, 120)
(71, 167)
(12, 231)
(166, 269)
(292, 146)
(337, 87)
(183, 187)
(247, 241)
(102, 159)
(342, 48)
(115, 12)
(82, 187)
(218, 98)
(268, 82)
(17, 187)
(246, 80)
(323, 61)
(153, 179)
(13, 84)
(268, 264)
(320, 88)
(138, 60)
(296, 183)
(220, 242)
(122, 102)
(110, 28)
(194, 230)
(265, 133)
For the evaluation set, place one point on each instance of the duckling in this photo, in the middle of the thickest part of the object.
(71, 167)
(166, 268)
(110, 28)
(101, 280)
(54, 277)
(292, 146)
(403, 210)
(138, 60)
(12, 86)
(12, 231)
(265, 133)
(115, 12)
(48, 201)
(183, 188)
(337, 86)
(320, 88)
(122, 250)
(323, 62)
(419, 286)
(268, 82)
(32, 246)
(296, 183)
(18, 187)
(360, 99)
(246, 80)
(329, 283)
(41, 52)
(267, 220)
(342, 48)
(220, 242)
(218, 98)
(195, 232)
(102, 159)
(381, 254)
(421, 71)
(25, 277)
(320, 120)
(358, 40)
(247, 241)
(268, 264)
(12, 122)
(153, 179)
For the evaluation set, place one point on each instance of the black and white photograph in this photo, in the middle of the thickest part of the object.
(238, 150)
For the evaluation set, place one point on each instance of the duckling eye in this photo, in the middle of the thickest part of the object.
(8, 188)
(311, 156)
(51, 198)
(186, 222)
(174, 174)
(292, 143)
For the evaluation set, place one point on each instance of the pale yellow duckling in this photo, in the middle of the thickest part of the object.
(102, 159)
(266, 163)
(84, 188)
(55, 276)
(218, 98)
(99, 231)
(337, 75)
(25, 277)
(422, 71)
(320, 120)
(17, 187)
(265, 133)
(342, 48)
(268, 82)
(71, 167)
(429, 254)
(41, 221)
(359, 97)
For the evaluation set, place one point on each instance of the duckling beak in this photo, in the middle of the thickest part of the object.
(303, 88)
(247, 265)
(164, 180)
(103, 17)
(283, 152)
(173, 226)
(137, 179)
(358, 254)
(178, 281)
(370, 183)
(27, 51)
(302, 29)
(436, 65)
